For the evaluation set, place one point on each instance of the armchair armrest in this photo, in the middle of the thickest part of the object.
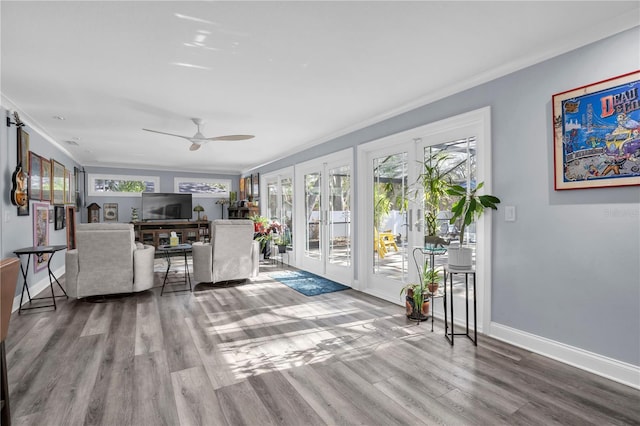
(71, 269)
(143, 259)
(202, 254)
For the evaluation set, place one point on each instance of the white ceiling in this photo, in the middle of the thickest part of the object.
(293, 74)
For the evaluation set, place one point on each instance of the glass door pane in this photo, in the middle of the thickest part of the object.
(286, 210)
(390, 187)
(313, 216)
(339, 216)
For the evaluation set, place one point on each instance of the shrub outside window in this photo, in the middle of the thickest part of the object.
(121, 185)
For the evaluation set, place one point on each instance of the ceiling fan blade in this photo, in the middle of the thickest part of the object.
(194, 146)
(231, 138)
(168, 134)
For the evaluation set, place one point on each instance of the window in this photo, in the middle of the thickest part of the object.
(201, 187)
(122, 185)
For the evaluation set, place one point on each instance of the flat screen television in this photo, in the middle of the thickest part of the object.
(166, 206)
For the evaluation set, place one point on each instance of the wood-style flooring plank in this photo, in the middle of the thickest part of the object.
(149, 337)
(258, 352)
(153, 394)
(196, 401)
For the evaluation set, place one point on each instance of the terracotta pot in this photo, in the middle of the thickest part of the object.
(433, 287)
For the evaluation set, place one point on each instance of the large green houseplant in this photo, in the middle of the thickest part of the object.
(466, 209)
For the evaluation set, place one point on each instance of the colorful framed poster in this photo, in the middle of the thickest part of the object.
(35, 177)
(40, 234)
(57, 184)
(67, 186)
(46, 179)
(71, 227)
(597, 134)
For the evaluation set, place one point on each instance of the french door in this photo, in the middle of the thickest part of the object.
(393, 204)
(279, 207)
(324, 247)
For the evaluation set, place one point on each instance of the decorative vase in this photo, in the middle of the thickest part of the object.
(425, 308)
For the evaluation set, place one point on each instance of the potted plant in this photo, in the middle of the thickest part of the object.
(431, 277)
(467, 208)
(282, 240)
(433, 182)
(416, 302)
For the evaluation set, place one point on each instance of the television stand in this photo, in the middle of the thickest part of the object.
(157, 232)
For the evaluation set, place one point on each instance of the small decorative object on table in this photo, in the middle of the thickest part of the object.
(198, 208)
(134, 214)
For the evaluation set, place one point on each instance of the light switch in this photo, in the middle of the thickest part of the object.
(510, 213)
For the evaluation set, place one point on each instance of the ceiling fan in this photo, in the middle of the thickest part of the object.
(198, 139)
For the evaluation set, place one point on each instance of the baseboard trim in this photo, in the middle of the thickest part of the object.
(34, 289)
(619, 371)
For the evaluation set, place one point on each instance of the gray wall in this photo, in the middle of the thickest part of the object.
(17, 231)
(211, 209)
(568, 268)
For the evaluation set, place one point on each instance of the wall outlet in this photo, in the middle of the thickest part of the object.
(510, 213)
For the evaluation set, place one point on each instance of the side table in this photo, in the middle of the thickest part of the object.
(449, 272)
(38, 250)
(168, 251)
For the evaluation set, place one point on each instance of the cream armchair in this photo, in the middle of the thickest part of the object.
(231, 255)
(107, 260)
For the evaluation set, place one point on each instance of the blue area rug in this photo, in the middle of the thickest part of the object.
(307, 283)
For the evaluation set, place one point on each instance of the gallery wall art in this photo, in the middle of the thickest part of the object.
(597, 134)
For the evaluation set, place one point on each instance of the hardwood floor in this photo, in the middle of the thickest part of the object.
(260, 353)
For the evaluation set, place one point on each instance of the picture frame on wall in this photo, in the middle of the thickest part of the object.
(255, 185)
(59, 212)
(40, 234)
(110, 212)
(596, 134)
(57, 183)
(241, 189)
(71, 187)
(45, 166)
(71, 227)
(35, 177)
(247, 187)
(67, 185)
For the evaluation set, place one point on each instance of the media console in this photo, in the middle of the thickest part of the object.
(157, 232)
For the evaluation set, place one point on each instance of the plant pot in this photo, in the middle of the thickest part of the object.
(433, 287)
(412, 312)
(282, 248)
(460, 257)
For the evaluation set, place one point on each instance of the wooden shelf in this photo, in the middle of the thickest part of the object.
(243, 212)
(157, 232)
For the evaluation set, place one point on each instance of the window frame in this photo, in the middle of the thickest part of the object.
(227, 182)
(92, 177)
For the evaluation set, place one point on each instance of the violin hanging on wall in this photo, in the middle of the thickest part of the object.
(19, 195)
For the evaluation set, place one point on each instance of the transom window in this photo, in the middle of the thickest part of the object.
(122, 185)
(202, 187)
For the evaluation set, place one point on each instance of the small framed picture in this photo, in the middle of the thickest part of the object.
(57, 187)
(45, 178)
(59, 217)
(110, 212)
(35, 179)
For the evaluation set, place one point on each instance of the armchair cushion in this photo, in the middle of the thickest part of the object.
(231, 255)
(107, 261)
